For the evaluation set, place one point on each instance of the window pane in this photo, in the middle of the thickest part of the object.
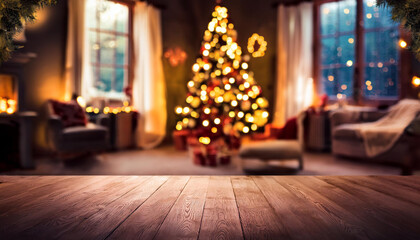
(380, 81)
(377, 17)
(120, 80)
(345, 49)
(107, 23)
(338, 46)
(122, 19)
(329, 51)
(381, 52)
(107, 44)
(329, 80)
(94, 45)
(105, 82)
(329, 18)
(122, 46)
(345, 81)
(347, 15)
(91, 13)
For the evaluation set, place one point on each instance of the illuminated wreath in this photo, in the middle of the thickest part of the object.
(257, 45)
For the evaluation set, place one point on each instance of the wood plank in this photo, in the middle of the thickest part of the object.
(19, 223)
(51, 192)
(392, 189)
(31, 195)
(341, 207)
(220, 216)
(407, 181)
(257, 217)
(146, 220)
(17, 178)
(184, 219)
(389, 209)
(300, 213)
(104, 222)
(15, 189)
(53, 225)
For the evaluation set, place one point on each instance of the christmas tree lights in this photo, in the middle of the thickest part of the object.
(223, 97)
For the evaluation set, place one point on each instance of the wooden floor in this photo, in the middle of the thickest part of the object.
(201, 207)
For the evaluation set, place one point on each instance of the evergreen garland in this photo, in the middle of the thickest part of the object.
(13, 14)
(408, 13)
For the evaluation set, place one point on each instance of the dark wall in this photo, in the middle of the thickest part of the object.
(184, 23)
(44, 75)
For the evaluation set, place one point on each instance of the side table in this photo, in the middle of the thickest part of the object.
(25, 120)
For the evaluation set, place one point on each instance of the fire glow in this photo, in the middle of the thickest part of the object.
(7, 105)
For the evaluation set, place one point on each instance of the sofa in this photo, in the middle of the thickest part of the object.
(346, 142)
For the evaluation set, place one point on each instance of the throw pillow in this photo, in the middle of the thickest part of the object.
(70, 113)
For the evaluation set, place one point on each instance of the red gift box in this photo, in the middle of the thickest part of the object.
(225, 160)
(180, 139)
(198, 157)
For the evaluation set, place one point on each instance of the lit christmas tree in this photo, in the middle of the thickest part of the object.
(223, 98)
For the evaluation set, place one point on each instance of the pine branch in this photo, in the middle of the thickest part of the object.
(13, 15)
(408, 13)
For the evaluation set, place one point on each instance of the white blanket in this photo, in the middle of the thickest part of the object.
(380, 136)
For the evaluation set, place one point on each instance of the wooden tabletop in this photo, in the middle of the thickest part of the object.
(202, 207)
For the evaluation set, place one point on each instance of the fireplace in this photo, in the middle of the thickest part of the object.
(8, 94)
(15, 120)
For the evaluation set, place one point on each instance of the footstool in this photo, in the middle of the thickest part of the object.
(273, 150)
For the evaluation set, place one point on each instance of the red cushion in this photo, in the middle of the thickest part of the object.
(70, 113)
(289, 130)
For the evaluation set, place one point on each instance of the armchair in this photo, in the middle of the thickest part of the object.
(76, 139)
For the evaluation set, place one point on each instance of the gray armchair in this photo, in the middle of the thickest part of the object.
(77, 139)
(346, 142)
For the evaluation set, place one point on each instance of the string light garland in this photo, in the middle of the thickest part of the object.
(113, 110)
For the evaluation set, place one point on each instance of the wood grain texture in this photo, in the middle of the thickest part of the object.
(220, 216)
(103, 223)
(217, 207)
(298, 212)
(258, 219)
(84, 208)
(184, 219)
(391, 189)
(390, 210)
(146, 220)
(349, 212)
(17, 188)
(54, 213)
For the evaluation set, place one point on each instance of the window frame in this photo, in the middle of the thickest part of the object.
(128, 65)
(358, 98)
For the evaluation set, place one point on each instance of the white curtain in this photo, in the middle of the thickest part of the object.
(77, 52)
(294, 86)
(149, 96)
